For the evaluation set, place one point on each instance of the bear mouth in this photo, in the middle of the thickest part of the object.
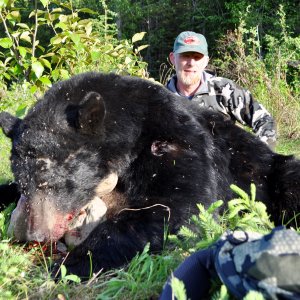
(85, 222)
(92, 214)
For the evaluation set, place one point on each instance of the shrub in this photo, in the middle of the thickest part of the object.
(72, 45)
(274, 79)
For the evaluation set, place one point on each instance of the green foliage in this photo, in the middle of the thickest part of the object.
(221, 294)
(145, 275)
(5, 146)
(16, 101)
(271, 80)
(206, 230)
(253, 295)
(212, 18)
(178, 289)
(67, 278)
(289, 146)
(12, 270)
(74, 44)
(142, 279)
(44, 41)
(246, 213)
(4, 220)
(243, 212)
(72, 47)
(284, 54)
(253, 43)
(17, 274)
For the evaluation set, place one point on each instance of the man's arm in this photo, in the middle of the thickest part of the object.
(245, 109)
(263, 124)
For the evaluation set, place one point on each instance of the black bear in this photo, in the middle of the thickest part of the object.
(143, 155)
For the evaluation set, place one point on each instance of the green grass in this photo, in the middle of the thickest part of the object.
(17, 102)
(5, 170)
(25, 275)
(289, 146)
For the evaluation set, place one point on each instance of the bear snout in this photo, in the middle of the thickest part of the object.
(38, 219)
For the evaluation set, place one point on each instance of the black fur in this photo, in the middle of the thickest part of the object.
(168, 154)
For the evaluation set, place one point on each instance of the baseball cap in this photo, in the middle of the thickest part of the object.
(189, 41)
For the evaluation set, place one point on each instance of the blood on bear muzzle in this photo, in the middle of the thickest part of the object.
(30, 225)
(39, 219)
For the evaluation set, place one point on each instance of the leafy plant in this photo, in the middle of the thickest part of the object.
(72, 47)
(246, 213)
(253, 295)
(4, 220)
(243, 212)
(68, 278)
(270, 79)
(178, 288)
(221, 294)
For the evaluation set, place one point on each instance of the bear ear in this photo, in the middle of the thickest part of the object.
(8, 123)
(91, 113)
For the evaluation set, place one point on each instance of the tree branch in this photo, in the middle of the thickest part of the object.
(35, 29)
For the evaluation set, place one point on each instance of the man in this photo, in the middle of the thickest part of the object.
(190, 58)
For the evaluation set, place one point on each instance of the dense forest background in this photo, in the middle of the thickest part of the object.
(163, 20)
(257, 44)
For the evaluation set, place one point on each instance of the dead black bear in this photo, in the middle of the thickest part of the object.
(142, 155)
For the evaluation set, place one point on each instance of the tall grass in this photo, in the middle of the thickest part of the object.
(274, 79)
(17, 101)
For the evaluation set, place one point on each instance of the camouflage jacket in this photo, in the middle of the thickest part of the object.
(268, 264)
(223, 95)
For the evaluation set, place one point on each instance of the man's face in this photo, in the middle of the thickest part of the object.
(189, 66)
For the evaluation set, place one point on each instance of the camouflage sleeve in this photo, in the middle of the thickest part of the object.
(242, 107)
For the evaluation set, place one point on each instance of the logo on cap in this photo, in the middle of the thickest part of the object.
(191, 40)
